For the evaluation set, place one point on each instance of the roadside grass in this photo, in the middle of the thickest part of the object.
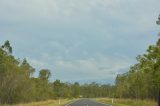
(46, 103)
(127, 102)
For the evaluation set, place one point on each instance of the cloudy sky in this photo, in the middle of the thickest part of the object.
(79, 40)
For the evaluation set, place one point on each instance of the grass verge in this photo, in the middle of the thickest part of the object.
(127, 102)
(46, 103)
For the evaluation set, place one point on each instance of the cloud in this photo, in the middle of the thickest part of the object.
(98, 68)
(90, 39)
(92, 68)
(62, 10)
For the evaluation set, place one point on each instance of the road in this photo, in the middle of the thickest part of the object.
(86, 102)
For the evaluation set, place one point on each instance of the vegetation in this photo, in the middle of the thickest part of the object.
(17, 84)
(46, 103)
(68, 90)
(127, 102)
(143, 79)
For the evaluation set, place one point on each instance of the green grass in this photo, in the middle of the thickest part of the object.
(127, 102)
(46, 103)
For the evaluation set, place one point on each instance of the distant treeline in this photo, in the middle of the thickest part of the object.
(17, 83)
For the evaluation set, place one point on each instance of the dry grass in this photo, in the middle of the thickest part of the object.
(46, 103)
(127, 102)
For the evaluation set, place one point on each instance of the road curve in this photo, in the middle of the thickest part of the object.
(86, 102)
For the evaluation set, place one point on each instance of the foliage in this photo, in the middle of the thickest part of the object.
(143, 79)
(17, 83)
(45, 103)
(127, 102)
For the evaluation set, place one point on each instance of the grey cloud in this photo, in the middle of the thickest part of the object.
(84, 36)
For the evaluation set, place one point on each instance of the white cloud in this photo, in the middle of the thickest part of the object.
(37, 63)
(66, 35)
(97, 67)
(91, 69)
(100, 12)
(61, 9)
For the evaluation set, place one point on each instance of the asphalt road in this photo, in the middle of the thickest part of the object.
(86, 102)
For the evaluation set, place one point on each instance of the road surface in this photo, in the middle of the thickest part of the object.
(86, 102)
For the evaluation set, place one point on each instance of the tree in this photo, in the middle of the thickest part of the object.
(76, 89)
(44, 74)
(16, 83)
(57, 86)
(27, 68)
(158, 21)
(7, 47)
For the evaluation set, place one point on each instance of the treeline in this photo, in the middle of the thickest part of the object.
(143, 79)
(17, 83)
(76, 90)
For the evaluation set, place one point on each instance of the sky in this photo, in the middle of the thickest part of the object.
(80, 40)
